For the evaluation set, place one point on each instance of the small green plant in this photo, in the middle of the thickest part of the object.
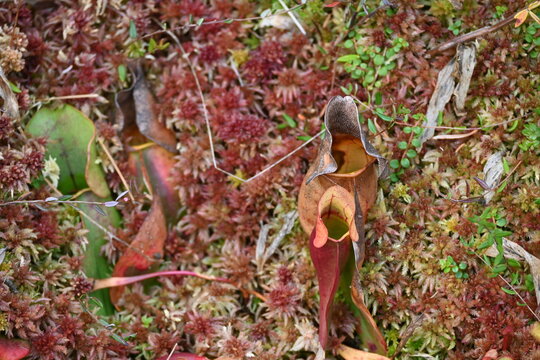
(531, 41)
(500, 10)
(532, 133)
(139, 48)
(490, 224)
(455, 27)
(370, 63)
(410, 148)
(450, 265)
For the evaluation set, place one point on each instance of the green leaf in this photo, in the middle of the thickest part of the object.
(394, 163)
(348, 58)
(14, 88)
(506, 167)
(514, 263)
(416, 143)
(407, 129)
(289, 120)
(152, 45)
(122, 72)
(486, 244)
(411, 153)
(378, 98)
(405, 163)
(304, 138)
(132, 29)
(371, 126)
(345, 90)
(380, 113)
(70, 139)
(508, 291)
(378, 60)
(200, 21)
(95, 264)
(119, 339)
(348, 44)
(402, 145)
(228, 21)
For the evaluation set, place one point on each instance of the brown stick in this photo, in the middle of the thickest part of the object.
(473, 34)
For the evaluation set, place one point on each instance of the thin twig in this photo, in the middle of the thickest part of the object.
(172, 351)
(68, 97)
(456, 128)
(473, 34)
(57, 201)
(209, 129)
(225, 21)
(293, 17)
(115, 166)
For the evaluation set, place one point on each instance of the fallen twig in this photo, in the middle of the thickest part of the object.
(472, 35)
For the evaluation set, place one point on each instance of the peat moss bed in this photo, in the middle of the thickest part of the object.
(146, 77)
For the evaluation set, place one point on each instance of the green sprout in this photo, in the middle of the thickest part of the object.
(450, 265)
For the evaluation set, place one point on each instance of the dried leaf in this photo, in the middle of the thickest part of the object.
(158, 163)
(136, 107)
(10, 105)
(535, 331)
(348, 353)
(70, 136)
(516, 252)
(521, 17)
(455, 136)
(465, 66)
(181, 356)
(491, 355)
(332, 4)
(441, 96)
(493, 171)
(13, 349)
(145, 250)
(282, 22)
(460, 68)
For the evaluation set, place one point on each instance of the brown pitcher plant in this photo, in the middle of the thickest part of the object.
(338, 191)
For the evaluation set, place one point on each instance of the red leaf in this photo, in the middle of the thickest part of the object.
(328, 261)
(331, 5)
(370, 335)
(158, 163)
(13, 349)
(145, 250)
(182, 356)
